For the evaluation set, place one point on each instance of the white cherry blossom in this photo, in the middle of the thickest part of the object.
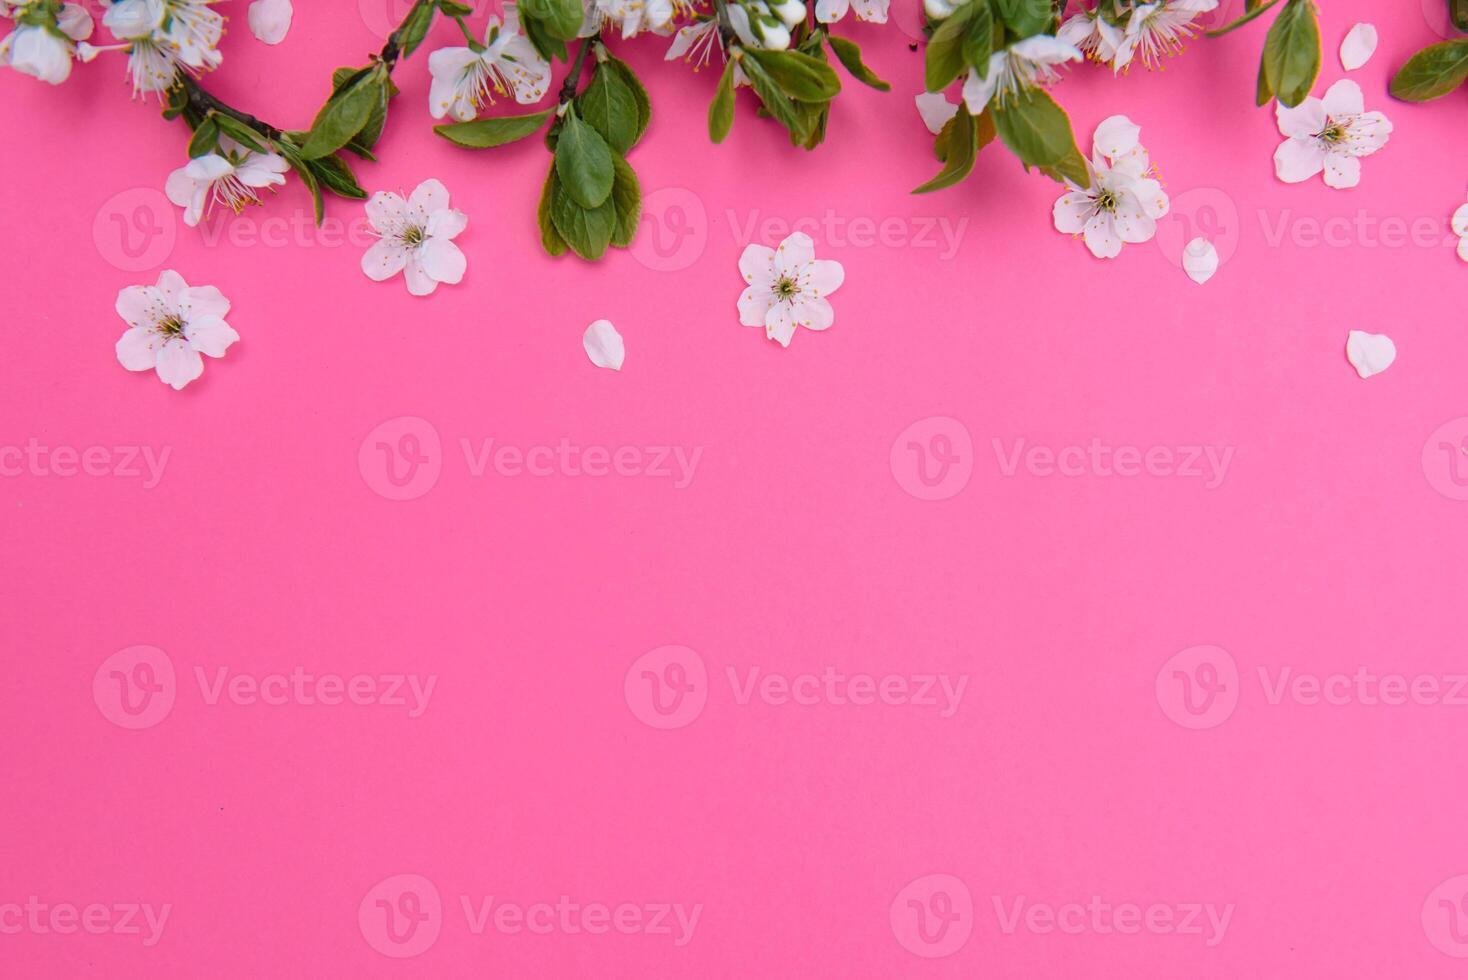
(1123, 200)
(787, 288)
(1330, 134)
(830, 11)
(465, 79)
(416, 238)
(1020, 66)
(234, 177)
(170, 325)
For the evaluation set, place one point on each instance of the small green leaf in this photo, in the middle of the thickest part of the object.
(1025, 17)
(344, 114)
(337, 177)
(960, 142)
(547, 47)
(493, 130)
(583, 163)
(979, 40)
(299, 164)
(1038, 132)
(1458, 12)
(205, 138)
(1262, 92)
(609, 107)
(771, 95)
(638, 90)
(240, 133)
(849, 54)
(1292, 52)
(1432, 72)
(415, 28)
(550, 239)
(450, 9)
(944, 60)
(721, 110)
(587, 230)
(627, 202)
(800, 76)
(563, 18)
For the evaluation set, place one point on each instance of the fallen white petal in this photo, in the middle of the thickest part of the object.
(604, 345)
(270, 20)
(936, 110)
(1370, 353)
(1200, 260)
(1358, 47)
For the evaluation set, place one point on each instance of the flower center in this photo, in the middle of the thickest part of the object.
(412, 235)
(1333, 133)
(786, 288)
(1106, 201)
(170, 326)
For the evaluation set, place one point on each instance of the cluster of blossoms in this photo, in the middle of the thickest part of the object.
(465, 79)
(1115, 32)
(161, 37)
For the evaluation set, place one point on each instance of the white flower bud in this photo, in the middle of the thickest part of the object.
(938, 9)
(775, 37)
(791, 12)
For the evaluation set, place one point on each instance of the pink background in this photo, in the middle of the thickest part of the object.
(531, 774)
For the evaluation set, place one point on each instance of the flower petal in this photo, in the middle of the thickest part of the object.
(1344, 98)
(814, 312)
(978, 91)
(1305, 119)
(1460, 220)
(1116, 136)
(384, 259)
(757, 265)
(1370, 353)
(779, 325)
(420, 283)
(795, 251)
(1071, 212)
(136, 304)
(137, 349)
(210, 335)
(429, 196)
(936, 110)
(1101, 237)
(1342, 170)
(178, 364)
(198, 301)
(270, 20)
(1298, 159)
(604, 345)
(446, 224)
(386, 211)
(1200, 260)
(822, 277)
(1358, 47)
(754, 303)
(443, 260)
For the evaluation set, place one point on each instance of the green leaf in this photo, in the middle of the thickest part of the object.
(205, 138)
(371, 130)
(960, 141)
(1432, 72)
(292, 154)
(849, 54)
(1458, 12)
(345, 113)
(450, 9)
(240, 133)
(627, 202)
(800, 76)
(609, 107)
(978, 40)
(547, 47)
(1292, 52)
(721, 110)
(415, 28)
(587, 230)
(583, 163)
(638, 90)
(1038, 132)
(1025, 17)
(550, 239)
(493, 130)
(1254, 10)
(563, 18)
(1262, 92)
(771, 95)
(944, 60)
(337, 177)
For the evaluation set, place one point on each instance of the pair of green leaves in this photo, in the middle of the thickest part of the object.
(355, 114)
(1291, 59)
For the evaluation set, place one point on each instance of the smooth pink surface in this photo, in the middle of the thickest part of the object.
(1073, 765)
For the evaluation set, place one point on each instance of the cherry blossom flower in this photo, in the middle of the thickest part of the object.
(1022, 65)
(1460, 228)
(163, 37)
(416, 238)
(1094, 36)
(170, 325)
(232, 177)
(632, 16)
(1122, 202)
(1330, 135)
(1158, 30)
(464, 79)
(787, 288)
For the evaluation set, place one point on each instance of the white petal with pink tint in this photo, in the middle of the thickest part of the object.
(1370, 353)
(604, 346)
(1358, 47)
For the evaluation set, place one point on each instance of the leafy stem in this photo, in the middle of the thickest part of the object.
(573, 77)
